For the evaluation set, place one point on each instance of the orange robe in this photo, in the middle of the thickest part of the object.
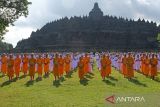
(104, 72)
(153, 70)
(46, 64)
(61, 66)
(142, 64)
(130, 71)
(25, 61)
(55, 67)
(10, 67)
(146, 69)
(40, 66)
(86, 64)
(67, 65)
(124, 69)
(81, 69)
(17, 66)
(4, 65)
(32, 63)
(108, 66)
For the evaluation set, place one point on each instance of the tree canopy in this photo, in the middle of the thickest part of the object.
(5, 46)
(10, 11)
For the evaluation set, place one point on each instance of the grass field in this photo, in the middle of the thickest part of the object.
(71, 93)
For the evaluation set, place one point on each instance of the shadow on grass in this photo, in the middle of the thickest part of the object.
(69, 75)
(89, 76)
(56, 83)
(46, 76)
(135, 81)
(9, 82)
(90, 73)
(112, 78)
(84, 81)
(14, 79)
(29, 83)
(156, 80)
(6, 83)
(38, 79)
(22, 77)
(109, 82)
(62, 79)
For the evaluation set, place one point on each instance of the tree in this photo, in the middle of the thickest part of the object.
(10, 11)
(5, 46)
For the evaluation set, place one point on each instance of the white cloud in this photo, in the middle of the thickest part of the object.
(68, 3)
(15, 34)
(145, 2)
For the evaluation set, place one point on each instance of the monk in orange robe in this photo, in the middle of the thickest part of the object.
(17, 65)
(10, 67)
(25, 62)
(129, 65)
(67, 64)
(86, 63)
(143, 63)
(124, 69)
(108, 66)
(46, 65)
(147, 65)
(40, 66)
(4, 64)
(154, 63)
(55, 67)
(61, 66)
(81, 69)
(32, 63)
(104, 72)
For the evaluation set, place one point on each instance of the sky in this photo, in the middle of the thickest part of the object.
(43, 11)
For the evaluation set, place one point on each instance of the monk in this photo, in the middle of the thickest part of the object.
(17, 65)
(10, 67)
(154, 63)
(81, 68)
(61, 66)
(55, 67)
(147, 65)
(46, 65)
(124, 69)
(143, 63)
(86, 63)
(129, 65)
(39, 66)
(4, 64)
(25, 62)
(67, 61)
(104, 72)
(108, 66)
(32, 63)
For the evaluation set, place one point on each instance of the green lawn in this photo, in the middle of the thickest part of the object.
(72, 93)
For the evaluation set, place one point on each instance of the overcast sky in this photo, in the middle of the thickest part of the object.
(43, 11)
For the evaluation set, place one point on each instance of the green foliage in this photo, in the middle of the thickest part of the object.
(70, 93)
(158, 38)
(10, 10)
(5, 46)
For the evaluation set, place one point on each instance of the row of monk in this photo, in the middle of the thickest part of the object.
(60, 63)
(41, 63)
(147, 64)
